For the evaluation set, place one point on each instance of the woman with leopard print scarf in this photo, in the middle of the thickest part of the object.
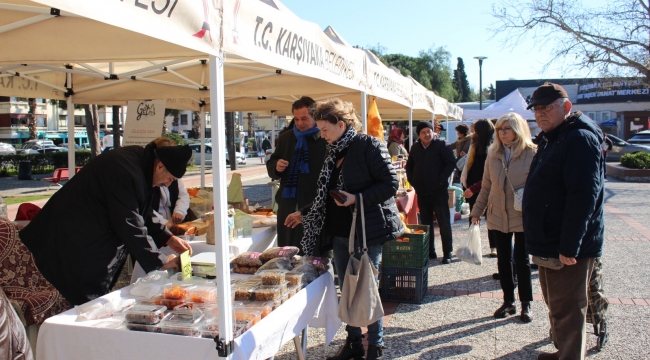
(355, 164)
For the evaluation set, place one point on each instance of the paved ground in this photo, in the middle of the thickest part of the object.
(455, 319)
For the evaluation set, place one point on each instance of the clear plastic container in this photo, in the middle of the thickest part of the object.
(241, 327)
(264, 306)
(202, 294)
(142, 327)
(244, 292)
(242, 314)
(182, 322)
(267, 292)
(210, 328)
(284, 298)
(145, 314)
(171, 304)
(294, 278)
(210, 310)
(272, 277)
(177, 292)
(293, 290)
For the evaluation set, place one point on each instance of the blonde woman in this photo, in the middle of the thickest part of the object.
(506, 169)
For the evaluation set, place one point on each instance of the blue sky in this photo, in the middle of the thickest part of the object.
(408, 26)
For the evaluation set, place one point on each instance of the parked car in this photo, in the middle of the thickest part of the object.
(33, 146)
(621, 147)
(51, 149)
(65, 145)
(642, 137)
(7, 149)
(196, 148)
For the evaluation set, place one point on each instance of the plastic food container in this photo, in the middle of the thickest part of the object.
(241, 314)
(294, 278)
(277, 303)
(176, 292)
(210, 310)
(284, 286)
(142, 327)
(145, 314)
(170, 303)
(202, 294)
(284, 298)
(272, 277)
(264, 306)
(267, 292)
(244, 292)
(210, 328)
(182, 322)
(293, 290)
(240, 327)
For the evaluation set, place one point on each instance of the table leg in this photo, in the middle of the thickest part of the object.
(304, 340)
(299, 352)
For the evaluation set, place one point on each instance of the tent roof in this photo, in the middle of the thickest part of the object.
(512, 102)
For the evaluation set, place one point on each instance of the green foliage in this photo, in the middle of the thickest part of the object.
(636, 161)
(41, 163)
(432, 69)
(176, 137)
(460, 83)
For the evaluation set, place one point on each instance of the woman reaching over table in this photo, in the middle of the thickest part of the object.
(75, 247)
(506, 169)
(356, 164)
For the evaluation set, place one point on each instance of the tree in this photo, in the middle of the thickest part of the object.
(31, 118)
(92, 126)
(116, 127)
(170, 112)
(460, 82)
(611, 40)
(491, 92)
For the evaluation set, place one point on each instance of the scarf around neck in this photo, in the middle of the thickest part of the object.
(299, 161)
(313, 222)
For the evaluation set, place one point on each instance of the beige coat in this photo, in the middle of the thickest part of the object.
(497, 196)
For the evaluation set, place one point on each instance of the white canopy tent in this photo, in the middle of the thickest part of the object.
(512, 102)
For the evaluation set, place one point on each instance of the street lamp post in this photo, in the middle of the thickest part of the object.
(480, 80)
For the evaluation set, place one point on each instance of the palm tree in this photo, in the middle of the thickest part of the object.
(31, 118)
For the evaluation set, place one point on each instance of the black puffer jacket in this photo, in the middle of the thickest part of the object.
(564, 193)
(367, 170)
(428, 169)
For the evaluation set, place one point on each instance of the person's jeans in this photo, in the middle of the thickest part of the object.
(341, 258)
(437, 203)
(505, 265)
(566, 295)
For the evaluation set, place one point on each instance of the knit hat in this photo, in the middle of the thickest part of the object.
(547, 93)
(422, 125)
(175, 158)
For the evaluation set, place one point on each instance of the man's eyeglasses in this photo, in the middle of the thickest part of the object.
(504, 130)
(327, 116)
(543, 108)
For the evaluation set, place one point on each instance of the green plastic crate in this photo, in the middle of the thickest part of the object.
(412, 254)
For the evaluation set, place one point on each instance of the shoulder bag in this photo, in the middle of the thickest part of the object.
(519, 193)
(360, 304)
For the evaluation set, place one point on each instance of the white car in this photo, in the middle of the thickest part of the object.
(7, 149)
(196, 148)
(641, 138)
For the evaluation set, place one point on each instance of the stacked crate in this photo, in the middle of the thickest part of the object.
(404, 271)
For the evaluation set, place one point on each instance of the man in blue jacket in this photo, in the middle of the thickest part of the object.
(563, 214)
(428, 169)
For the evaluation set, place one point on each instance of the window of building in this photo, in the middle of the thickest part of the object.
(592, 115)
(605, 116)
(183, 119)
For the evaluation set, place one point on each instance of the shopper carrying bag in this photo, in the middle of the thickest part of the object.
(360, 304)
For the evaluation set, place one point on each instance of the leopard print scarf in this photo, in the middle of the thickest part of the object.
(313, 222)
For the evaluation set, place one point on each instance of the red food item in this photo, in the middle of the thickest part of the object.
(176, 293)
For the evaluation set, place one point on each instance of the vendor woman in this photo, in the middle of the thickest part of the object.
(77, 244)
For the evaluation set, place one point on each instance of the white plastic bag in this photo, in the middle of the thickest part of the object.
(470, 249)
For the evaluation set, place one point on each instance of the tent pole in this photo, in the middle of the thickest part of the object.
(220, 199)
(202, 137)
(447, 127)
(364, 113)
(71, 164)
(410, 127)
(275, 119)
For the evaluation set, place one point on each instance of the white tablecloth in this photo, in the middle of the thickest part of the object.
(261, 239)
(62, 337)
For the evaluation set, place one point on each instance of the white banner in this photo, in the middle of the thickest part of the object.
(274, 36)
(192, 24)
(144, 121)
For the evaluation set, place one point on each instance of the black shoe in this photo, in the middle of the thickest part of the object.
(447, 258)
(506, 308)
(496, 276)
(526, 312)
(352, 349)
(375, 352)
(433, 255)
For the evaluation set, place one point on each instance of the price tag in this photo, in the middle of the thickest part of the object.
(186, 265)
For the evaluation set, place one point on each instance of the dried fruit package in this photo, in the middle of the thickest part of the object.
(276, 252)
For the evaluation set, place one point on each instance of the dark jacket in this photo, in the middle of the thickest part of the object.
(563, 197)
(81, 237)
(428, 170)
(368, 170)
(306, 189)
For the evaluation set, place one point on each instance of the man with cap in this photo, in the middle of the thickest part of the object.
(81, 237)
(563, 214)
(428, 169)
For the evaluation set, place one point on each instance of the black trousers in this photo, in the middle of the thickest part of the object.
(471, 201)
(505, 256)
(436, 203)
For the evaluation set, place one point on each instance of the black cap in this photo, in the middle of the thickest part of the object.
(422, 125)
(546, 94)
(175, 158)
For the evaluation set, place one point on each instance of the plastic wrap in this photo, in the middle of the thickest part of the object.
(276, 252)
(277, 263)
(248, 259)
(272, 277)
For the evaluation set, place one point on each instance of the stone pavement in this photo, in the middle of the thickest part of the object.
(455, 319)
